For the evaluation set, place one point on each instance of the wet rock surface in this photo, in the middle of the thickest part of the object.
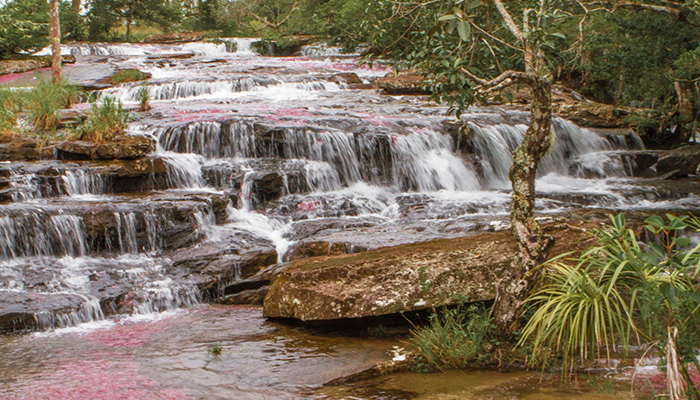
(684, 161)
(30, 64)
(120, 148)
(247, 165)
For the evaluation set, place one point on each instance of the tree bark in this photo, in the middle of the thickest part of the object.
(55, 34)
(515, 283)
(533, 247)
(75, 9)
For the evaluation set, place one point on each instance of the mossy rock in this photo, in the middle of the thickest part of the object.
(129, 75)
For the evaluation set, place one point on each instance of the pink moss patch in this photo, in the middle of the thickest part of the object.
(13, 77)
(658, 380)
(129, 335)
(96, 380)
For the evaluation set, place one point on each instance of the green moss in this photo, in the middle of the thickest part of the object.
(128, 75)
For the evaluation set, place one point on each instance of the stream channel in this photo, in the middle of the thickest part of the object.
(107, 275)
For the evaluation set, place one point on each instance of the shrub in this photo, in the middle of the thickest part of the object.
(10, 107)
(621, 290)
(454, 338)
(144, 98)
(43, 103)
(104, 121)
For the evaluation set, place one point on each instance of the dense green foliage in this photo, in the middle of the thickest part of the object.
(106, 15)
(24, 26)
(622, 291)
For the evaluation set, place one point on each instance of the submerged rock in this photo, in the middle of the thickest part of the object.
(398, 279)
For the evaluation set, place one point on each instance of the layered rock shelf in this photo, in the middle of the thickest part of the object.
(292, 182)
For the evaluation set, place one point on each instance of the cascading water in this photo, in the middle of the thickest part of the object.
(298, 152)
(426, 162)
(79, 182)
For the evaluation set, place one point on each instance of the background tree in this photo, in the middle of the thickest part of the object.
(474, 50)
(55, 34)
(23, 26)
(105, 15)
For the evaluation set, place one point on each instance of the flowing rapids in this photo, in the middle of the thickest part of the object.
(255, 157)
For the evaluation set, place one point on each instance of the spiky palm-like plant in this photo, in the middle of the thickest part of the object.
(621, 290)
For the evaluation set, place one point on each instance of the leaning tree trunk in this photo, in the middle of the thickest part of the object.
(75, 9)
(533, 246)
(55, 34)
(684, 92)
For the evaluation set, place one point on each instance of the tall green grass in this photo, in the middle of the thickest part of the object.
(104, 121)
(454, 338)
(43, 104)
(10, 108)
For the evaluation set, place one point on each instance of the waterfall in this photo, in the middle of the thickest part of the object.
(88, 311)
(187, 89)
(39, 235)
(184, 170)
(495, 143)
(82, 183)
(164, 295)
(24, 187)
(246, 194)
(425, 162)
(244, 46)
(321, 176)
(211, 139)
(126, 232)
(333, 147)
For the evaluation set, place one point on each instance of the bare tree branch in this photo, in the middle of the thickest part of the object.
(501, 81)
(509, 21)
(273, 25)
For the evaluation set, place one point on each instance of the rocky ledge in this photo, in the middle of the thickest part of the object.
(30, 64)
(178, 37)
(400, 279)
(121, 148)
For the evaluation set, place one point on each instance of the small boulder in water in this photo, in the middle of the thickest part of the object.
(177, 37)
(685, 160)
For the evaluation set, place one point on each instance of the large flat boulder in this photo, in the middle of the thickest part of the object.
(25, 149)
(397, 279)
